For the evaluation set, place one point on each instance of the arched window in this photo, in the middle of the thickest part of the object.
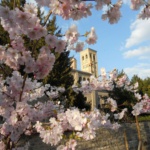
(90, 56)
(86, 56)
(94, 57)
(82, 57)
(79, 80)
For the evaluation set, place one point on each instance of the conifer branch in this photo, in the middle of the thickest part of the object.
(47, 17)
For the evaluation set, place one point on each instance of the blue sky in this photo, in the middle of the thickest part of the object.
(125, 45)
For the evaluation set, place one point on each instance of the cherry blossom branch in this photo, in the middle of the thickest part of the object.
(8, 95)
(138, 128)
(126, 140)
(23, 85)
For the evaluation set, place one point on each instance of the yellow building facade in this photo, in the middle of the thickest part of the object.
(89, 66)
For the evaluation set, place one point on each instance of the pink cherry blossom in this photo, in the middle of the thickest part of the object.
(145, 13)
(2, 145)
(113, 14)
(60, 46)
(92, 37)
(113, 75)
(121, 114)
(17, 90)
(72, 34)
(136, 4)
(44, 64)
(31, 8)
(138, 96)
(76, 119)
(113, 104)
(4, 11)
(51, 40)
(79, 46)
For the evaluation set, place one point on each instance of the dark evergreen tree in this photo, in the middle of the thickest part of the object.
(61, 76)
(13, 3)
(135, 79)
(123, 97)
(4, 37)
(144, 84)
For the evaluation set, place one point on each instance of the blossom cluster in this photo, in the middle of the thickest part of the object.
(20, 107)
(19, 93)
(84, 124)
(25, 22)
(77, 9)
(18, 22)
(113, 14)
(106, 82)
(145, 13)
(143, 106)
(15, 59)
(17, 114)
(72, 36)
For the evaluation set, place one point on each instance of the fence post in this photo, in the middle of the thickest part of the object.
(126, 140)
(139, 133)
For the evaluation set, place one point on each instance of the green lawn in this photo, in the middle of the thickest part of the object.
(144, 118)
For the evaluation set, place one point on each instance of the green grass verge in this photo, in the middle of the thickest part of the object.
(144, 118)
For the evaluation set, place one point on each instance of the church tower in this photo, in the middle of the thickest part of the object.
(88, 59)
(73, 63)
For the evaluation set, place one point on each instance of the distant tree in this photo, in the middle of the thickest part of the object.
(146, 86)
(123, 97)
(61, 72)
(135, 79)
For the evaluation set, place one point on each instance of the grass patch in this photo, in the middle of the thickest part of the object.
(144, 118)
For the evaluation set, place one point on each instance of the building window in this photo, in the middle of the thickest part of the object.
(82, 57)
(80, 79)
(86, 56)
(94, 57)
(90, 56)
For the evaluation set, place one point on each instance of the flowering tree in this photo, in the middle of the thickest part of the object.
(22, 113)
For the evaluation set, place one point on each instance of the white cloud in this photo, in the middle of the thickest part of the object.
(141, 53)
(142, 70)
(139, 33)
(145, 57)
